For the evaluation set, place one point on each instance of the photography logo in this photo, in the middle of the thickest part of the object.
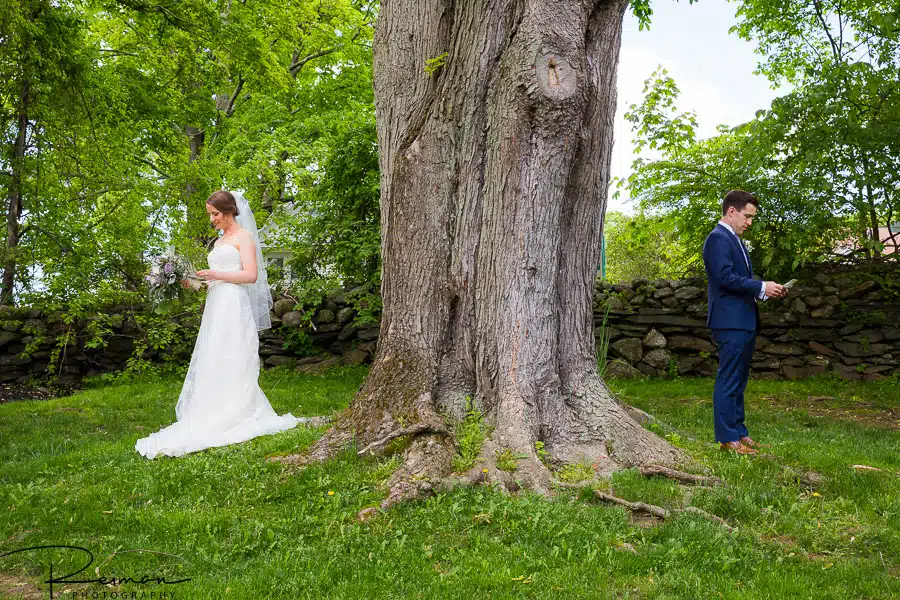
(153, 587)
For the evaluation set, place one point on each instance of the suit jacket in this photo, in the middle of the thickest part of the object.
(732, 290)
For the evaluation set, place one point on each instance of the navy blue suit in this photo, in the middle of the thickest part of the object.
(733, 318)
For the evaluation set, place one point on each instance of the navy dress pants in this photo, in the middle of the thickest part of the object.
(735, 353)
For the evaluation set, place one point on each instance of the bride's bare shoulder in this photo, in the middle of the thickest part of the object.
(244, 237)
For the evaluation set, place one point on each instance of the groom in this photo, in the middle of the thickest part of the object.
(733, 316)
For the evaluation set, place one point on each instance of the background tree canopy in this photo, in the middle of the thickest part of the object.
(119, 117)
(823, 159)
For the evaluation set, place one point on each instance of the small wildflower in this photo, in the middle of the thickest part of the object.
(484, 471)
(330, 493)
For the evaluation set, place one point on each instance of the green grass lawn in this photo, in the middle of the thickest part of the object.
(241, 527)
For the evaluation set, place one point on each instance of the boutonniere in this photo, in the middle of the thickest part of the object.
(749, 246)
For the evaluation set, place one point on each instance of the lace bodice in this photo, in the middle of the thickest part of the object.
(224, 257)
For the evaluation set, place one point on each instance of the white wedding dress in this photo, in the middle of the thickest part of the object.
(221, 402)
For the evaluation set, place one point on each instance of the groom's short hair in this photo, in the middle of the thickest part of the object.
(738, 199)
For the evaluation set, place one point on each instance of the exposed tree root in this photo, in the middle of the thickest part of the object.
(650, 509)
(529, 472)
(711, 517)
(592, 427)
(660, 512)
(680, 476)
(313, 421)
(335, 440)
(598, 429)
(428, 459)
(377, 446)
(427, 469)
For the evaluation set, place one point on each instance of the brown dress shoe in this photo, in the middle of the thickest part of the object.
(748, 441)
(737, 447)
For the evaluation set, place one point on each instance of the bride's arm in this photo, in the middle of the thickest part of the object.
(248, 259)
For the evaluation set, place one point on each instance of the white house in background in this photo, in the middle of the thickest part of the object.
(888, 235)
(274, 254)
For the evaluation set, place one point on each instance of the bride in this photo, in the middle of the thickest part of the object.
(221, 402)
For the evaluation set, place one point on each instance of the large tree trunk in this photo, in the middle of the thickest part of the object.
(195, 209)
(14, 205)
(494, 181)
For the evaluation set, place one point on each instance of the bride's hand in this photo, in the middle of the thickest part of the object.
(207, 274)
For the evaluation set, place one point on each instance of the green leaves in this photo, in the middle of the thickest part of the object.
(335, 227)
(655, 129)
(823, 159)
(643, 11)
(138, 110)
(433, 65)
(644, 246)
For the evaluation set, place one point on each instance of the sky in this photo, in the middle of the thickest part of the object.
(712, 68)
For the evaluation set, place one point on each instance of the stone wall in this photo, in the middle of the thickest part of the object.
(337, 333)
(105, 343)
(846, 323)
(29, 339)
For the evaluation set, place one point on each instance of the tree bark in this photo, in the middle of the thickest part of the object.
(196, 137)
(14, 205)
(870, 204)
(494, 172)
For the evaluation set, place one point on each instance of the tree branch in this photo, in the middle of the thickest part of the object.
(63, 246)
(237, 90)
(150, 164)
(840, 24)
(108, 214)
(115, 52)
(298, 64)
(834, 47)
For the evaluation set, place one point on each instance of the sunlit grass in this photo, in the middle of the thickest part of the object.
(242, 527)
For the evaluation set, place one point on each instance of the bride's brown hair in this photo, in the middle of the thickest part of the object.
(224, 202)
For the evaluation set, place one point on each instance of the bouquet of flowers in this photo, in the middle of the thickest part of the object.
(167, 271)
